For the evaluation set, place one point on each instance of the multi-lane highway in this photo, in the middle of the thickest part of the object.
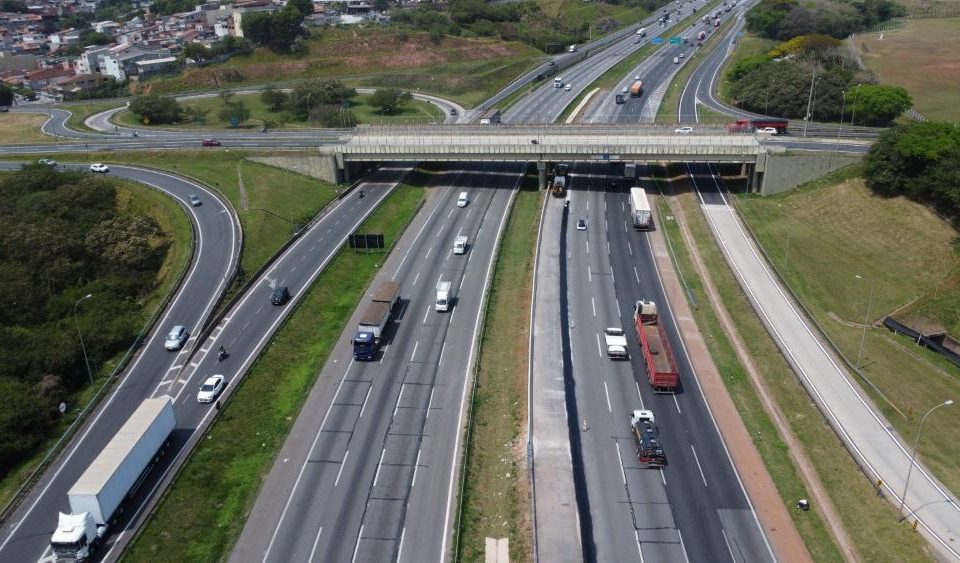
(368, 476)
(244, 331)
(25, 535)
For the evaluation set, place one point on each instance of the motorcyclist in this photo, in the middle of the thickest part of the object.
(361, 193)
(222, 353)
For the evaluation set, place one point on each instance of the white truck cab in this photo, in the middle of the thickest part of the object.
(442, 302)
(616, 342)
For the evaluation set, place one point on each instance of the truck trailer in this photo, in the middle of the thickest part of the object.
(640, 213)
(661, 365)
(636, 90)
(376, 317)
(115, 473)
(744, 125)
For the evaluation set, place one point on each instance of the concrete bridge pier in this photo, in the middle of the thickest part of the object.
(542, 174)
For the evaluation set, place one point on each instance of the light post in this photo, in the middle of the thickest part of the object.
(842, 108)
(913, 457)
(853, 118)
(76, 320)
(308, 107)
(866, 320)
(806, 119)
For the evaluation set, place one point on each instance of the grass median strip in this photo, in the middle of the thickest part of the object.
(868, 519)
(496, 496)
(203, 512)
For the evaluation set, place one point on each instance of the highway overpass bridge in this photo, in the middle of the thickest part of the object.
(599, 143)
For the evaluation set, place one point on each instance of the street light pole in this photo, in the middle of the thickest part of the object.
(842, 108)
(76, 320)
(806, 119)
(853, 118)
(308, 107)
(913, 457)
(866, 320)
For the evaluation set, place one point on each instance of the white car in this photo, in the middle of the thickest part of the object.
(683, 130)
(582, 224)
(567, 88)
(766, 130)
(175, 338)
(210, 389)
(462, 199)
(194, 200)
(101, 168)
(47, 161)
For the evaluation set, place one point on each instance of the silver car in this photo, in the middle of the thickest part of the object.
(176, 338)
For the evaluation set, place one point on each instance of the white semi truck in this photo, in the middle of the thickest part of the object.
(460, 245)
(111, 478)
(640, 212)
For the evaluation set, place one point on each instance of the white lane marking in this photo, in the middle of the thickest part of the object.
(400, 549)
(663, 477)
(425, 314)
(343, 464)
(623, 474)
(599, 349)
(607, 393)
(697, 459)
(416, 466)
(683, 547)
(619, 314)
(364, 405)
(636, 274)
(416, 278)
(443, 348)
(400, 396)
(676, 403)
(589, 274)
(630, 248)
(357, 546)
(586, 245)
(639, 396)
(316, 541)
(727, 541)
(379, 465)
(383, 354)
(430, 402)
(427, 255)
(415, 346)
(593, 305)
(640, 551)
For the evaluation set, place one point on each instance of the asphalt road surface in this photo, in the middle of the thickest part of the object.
(368, 475)
(26, 533)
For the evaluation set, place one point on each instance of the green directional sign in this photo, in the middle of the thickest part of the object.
(675, 40)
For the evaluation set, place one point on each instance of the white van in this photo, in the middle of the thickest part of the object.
(462, 200)
(442, 302)
(676, 60)
(460, 245)
(572, 49)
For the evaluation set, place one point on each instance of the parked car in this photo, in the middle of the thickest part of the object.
(194, 200)
(210, 143)
(176, 338)
(210, 389)
(683, 130)
(47, 161)
(280, 295)
(100, 168)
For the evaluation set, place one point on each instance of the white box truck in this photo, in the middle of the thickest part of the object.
(443, 296)
(616, 342)
(460, 245)
(640, 212)
(113, 475)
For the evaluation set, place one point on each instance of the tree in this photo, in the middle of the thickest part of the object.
(877, 104)
(312, 93)
(798, 21)
(6, 95)
(196, 114)
(234, 113)
(256, 27)
(274, 99)
(277, 31)
(305, 7)
(23, 418)
(153, 108)
(389, 100)
(89, 37)
(17, 6)
(195, 51)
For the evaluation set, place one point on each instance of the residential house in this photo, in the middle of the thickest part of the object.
(41, 78)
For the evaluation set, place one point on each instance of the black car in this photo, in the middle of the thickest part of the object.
(280, 295)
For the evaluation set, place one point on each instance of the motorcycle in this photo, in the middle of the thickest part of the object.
(361, 194)
(221, 354)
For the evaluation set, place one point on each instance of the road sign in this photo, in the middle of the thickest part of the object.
(675, 40)
(657, 40)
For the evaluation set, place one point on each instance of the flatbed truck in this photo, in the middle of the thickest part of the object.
(661, 365)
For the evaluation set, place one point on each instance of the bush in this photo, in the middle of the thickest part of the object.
(877, 104)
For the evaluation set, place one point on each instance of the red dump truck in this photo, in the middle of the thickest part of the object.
(661, 365)
(744, 125)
